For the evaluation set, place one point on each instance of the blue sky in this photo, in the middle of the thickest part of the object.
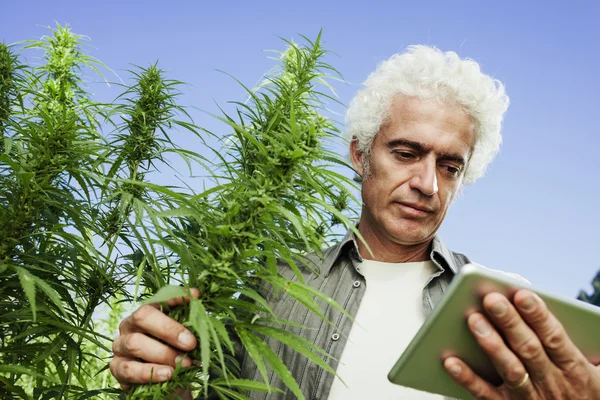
(536, 210)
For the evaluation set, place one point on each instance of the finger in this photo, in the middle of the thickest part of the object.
(138, 345)
(521, 339)
(555, 340)
(507, 364)
(177, 301)
(148, 319)
(465, 377)
(130, 372)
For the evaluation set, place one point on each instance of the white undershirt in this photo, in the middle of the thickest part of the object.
(390, 314)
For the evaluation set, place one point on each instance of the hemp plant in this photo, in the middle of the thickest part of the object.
(276, 200)
(47, 258)
(147, 111)
(83, 223)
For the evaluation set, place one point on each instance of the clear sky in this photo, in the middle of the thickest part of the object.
(536, 210)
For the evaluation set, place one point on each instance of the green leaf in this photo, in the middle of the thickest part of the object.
(296, 343)
(247, 384)
(218, 347)
(223, 334)
(200, 321)
(28, 285)
(323, 297)
(279, 368)
(8, 142)
(51, 293)
(228, 394)
(297, 153)
(290, 216)
(257, 298)
(138, 280)
(271, 261)
(249, 342)
(20, 370)
(167, 293)
(298, 292)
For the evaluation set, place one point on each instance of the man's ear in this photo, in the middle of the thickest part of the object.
(357, 157)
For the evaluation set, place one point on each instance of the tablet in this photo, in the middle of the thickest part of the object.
(446, 333)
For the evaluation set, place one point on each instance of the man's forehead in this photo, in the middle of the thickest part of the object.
(411, 108)
(429, 123)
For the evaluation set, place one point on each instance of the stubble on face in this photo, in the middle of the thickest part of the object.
(407, 188)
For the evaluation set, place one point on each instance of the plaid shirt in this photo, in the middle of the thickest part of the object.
(339, 280)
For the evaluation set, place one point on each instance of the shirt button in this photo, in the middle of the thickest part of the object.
(335, 336)
(356, 284)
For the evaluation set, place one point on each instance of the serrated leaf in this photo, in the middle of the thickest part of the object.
(200, 321)
(20, 370)
(249, 343)
(228, 394)
(298, 292)
(138, 279)
(51, 293)
(167, 293)
(290, 216)
(258, 299)
(217, 342)
(247, 384)
(296, 343)
(279, 368)
(271, 261)
(28, 285)
(223, 334)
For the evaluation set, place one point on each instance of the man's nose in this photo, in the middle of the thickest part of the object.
(424, 178)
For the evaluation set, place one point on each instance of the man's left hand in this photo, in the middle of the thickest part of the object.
(536, 359)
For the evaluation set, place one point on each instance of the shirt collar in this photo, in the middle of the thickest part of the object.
(439, 249)
(440, 253)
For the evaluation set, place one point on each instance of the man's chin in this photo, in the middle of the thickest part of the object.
(411, 232)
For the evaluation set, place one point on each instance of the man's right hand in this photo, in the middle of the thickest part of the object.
(139, 356)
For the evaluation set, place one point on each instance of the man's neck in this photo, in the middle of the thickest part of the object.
(386, 250)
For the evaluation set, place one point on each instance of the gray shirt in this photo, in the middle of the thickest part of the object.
(339, 280)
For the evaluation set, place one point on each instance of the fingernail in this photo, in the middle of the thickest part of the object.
(498, 309)
(455, 370)
(482, 328)
(186, 361)
(164, 373)
(186, 339)
(528, 304)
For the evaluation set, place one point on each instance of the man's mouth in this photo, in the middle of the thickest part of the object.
(415, 210)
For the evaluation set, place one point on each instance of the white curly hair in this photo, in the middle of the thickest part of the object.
(428, 73)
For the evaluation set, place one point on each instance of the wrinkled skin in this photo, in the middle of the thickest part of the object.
(536, 343)
(150, 345)
(411, 177)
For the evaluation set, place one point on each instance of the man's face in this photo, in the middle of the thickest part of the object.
(417, 163)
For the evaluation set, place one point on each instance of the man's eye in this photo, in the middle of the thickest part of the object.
(454, 171)
(404, 155)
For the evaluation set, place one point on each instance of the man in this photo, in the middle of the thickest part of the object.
(425, 124)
